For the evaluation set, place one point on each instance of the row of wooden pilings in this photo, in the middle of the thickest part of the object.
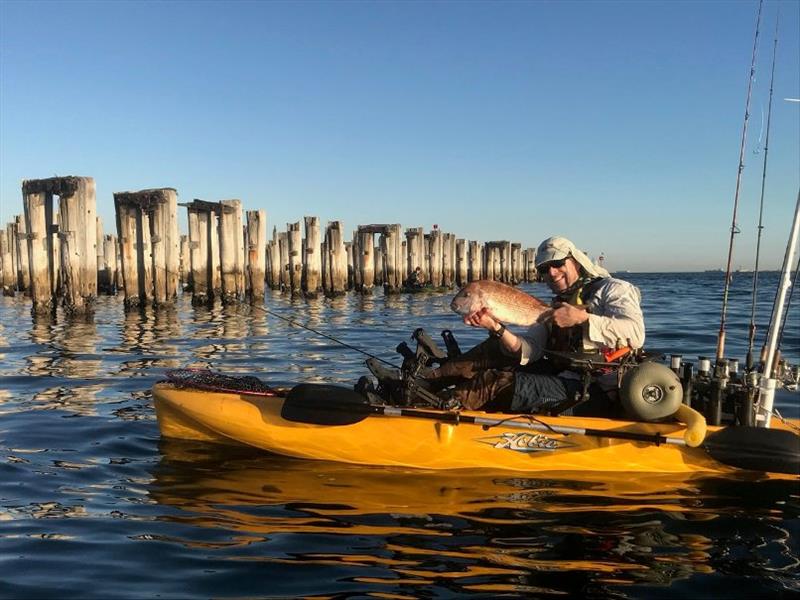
(61, 255)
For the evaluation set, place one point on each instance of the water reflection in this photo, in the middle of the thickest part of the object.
(405, 531)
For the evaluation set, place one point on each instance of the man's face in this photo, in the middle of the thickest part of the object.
(560, 274)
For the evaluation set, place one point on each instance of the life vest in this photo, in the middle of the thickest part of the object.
(570, 339)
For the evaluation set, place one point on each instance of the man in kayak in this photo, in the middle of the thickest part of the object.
(593, 315)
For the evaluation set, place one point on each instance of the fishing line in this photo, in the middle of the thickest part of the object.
(752, 326)
(325, 335)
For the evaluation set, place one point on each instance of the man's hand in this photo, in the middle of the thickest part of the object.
(482, 318)
(567, 315)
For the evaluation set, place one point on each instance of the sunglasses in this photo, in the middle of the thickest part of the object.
(545, 268)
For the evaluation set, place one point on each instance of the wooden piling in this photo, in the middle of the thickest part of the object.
(256, 241)
(366, 260)
(39, 250)
(378, 265)
(517, 276)
(462, 266)
(147, 226)
(185, 269)
(435, 251)
(274, 263)
(312, 258)
(132, 240)
(403, 260)
(351, 270)
(283, 247)
(295, 252)
(110, 263)
(448, 259)
(474, 270)
(204, 259)
(198, 255)
(98, 248)
(22, 255)
(335, 281)
(505, 261)
(393, 258)
(6, 264)
(11, 236)
(77, 214)
(416, 252)
(231, 250)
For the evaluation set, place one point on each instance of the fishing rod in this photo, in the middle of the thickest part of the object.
(752, 327)
(788, 303)
(734, 227)
(767, 383)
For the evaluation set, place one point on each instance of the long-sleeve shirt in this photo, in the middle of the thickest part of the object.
(615, 319)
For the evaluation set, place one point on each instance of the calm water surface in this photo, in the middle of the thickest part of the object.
(93, 504)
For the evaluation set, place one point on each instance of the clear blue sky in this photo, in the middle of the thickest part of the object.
(617, 124)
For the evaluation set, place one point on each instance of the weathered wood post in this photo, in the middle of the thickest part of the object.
(54, 218)
(256, 252)
(11, 236)
(516, 264)
(231, 250)
(77, 212)
(185, 269)
(462, 265)
(354, 261)
(530, 265)
(110, 262)
(448, 259)
(474, 271)
(392, 248)
(505, 261)
(39, 249)
(283, 247)
(22, 254)
(6, 264)
(274, 253)
(198, 255)
(336, 273)
(204, 258)
(351, 270)
(147, 226)
(416, 253)
(295, 249)
(134, 242)
(403, 261)
(312, 258)
(102, 285)
(491, 258)
(435, 251)
(366, 261)
(378, 266)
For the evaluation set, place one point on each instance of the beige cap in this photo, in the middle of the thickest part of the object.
(557, 248)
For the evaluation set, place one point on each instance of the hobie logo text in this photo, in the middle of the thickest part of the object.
(526, 442)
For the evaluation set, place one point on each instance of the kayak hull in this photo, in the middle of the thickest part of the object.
(428, 443)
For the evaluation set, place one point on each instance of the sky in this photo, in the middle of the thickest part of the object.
(616, 124)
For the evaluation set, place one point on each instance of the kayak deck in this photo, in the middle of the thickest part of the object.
(428, 443)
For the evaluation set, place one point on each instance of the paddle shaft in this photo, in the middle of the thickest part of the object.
(455, 418)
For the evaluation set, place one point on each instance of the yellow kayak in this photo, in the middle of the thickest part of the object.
(334, 424)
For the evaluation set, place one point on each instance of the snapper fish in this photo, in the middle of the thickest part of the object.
(505, 303)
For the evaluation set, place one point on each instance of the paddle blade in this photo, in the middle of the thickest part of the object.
(756, 448)
(323, 404)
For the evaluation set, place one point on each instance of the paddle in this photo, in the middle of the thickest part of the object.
(753, 448)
